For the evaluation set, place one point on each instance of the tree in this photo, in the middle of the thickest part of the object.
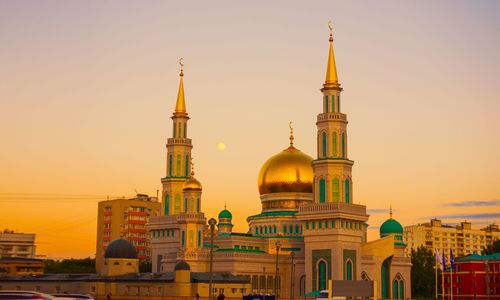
(494, 247)
(423, 273)
(72, 265)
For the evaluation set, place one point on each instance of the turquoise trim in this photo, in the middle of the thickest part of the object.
(240, 250)
(208, 246)
(274, 214)
(290, 249)
(224, 224)
(332, 158)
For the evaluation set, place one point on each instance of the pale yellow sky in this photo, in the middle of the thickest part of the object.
(87, 90)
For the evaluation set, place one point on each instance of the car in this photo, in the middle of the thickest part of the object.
(72, 296)
(13, 295)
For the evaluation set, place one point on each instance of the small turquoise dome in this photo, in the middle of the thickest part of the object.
(389, 227)
(225, 214)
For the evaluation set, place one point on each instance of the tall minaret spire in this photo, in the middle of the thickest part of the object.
(331, 69)
(178, 166)
(180, 106)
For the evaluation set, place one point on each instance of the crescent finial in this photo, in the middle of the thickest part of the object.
(291, 133)
(181, 63)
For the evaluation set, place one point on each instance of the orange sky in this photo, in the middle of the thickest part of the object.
(87, 90)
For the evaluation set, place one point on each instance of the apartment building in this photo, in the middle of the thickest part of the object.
(14, 244)
(125, 218)
(462, 238)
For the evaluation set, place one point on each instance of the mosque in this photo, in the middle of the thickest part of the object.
(309, 230)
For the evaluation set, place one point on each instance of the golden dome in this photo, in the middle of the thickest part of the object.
(192, 184)
(288, 171)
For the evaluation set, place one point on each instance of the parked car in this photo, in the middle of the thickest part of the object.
(72, 296)
(13, 295)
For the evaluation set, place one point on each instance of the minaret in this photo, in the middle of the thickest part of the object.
(178, 155)
(333, 226)
(332, 168)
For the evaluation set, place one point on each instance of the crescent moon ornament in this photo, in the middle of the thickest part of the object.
(330, 26)
(181, 62)
(291, 133)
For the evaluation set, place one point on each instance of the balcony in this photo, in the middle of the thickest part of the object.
(332, 116)
(333, 207)
(179, 141)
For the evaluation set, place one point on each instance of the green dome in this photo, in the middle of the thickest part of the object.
(390, 226)
(225, 214)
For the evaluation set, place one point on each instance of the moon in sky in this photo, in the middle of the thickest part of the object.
(221, 146)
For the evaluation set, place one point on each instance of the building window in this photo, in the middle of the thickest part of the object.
(343, 145)
(324, 144)
(177, 204)
(167, 205)
(297, 229)
(348, 267)
(183, 238)
(170, 162)
(336, 190)
(199, 238)
(186, 166)
(178, 165)
(333, 103)
(284, 229)
(334, 144)
(322, 275)
(322, 191)
(326, 104)
(347, 191)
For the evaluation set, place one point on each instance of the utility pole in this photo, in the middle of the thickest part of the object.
(292, 279)
(278, 245)
(211, 223)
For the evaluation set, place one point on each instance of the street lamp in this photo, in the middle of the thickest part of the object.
(292, 279)
(278, 245)
(211, 223)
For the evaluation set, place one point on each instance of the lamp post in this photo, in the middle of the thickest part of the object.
(278, 245)
(211, 223)
(292, 279)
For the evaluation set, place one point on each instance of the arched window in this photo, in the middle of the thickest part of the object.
(185, 130)
(395, 288)
(322, 191)
(167, 205)
(199, 238)
(326, 104)
(336, 190)
(291, 229)
(260, 228)
(178, 166)
(348, 269)
(177, 204)
(186, 167)
(297, 229)
(175, 123)
(333, 103)
(347, 191)
(191, 239)
(302, 285)
(401, 289)
(170, 162)
(322, 275)
(183, 238)
(265, 229)
(385, 280)
(285, 229)
(343, 145)
(275, 229)
(180, 129)
(256, 230)
(334, 144)
(324, 145)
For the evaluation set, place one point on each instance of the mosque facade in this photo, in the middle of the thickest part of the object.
(309, 230)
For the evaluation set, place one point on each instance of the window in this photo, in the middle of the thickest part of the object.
(186, 166)
(307, 225)
(291, 228)
(347, 191)
(336, 190)
(183, 238)
(324, 144)
(334, 144)
(178, 166)
(322, 191)
(167, 205)
(191, 238)
(199, 238)
(297, 229)
(343, 145)
(348, 267)
(170, 165)
(284, 229)
(177, 204)
(326, 104)
(333, 103)
(175, 126)
(322, 275)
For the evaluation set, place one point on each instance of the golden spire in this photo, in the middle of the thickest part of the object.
(180, 106)
(291, 133)
(390, 211)
(331, 69)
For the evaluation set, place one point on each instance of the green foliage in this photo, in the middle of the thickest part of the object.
(145, 266)
(423, 273)
(491, 248)
(72, 265)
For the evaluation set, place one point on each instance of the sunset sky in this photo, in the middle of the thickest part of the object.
(87, 89)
